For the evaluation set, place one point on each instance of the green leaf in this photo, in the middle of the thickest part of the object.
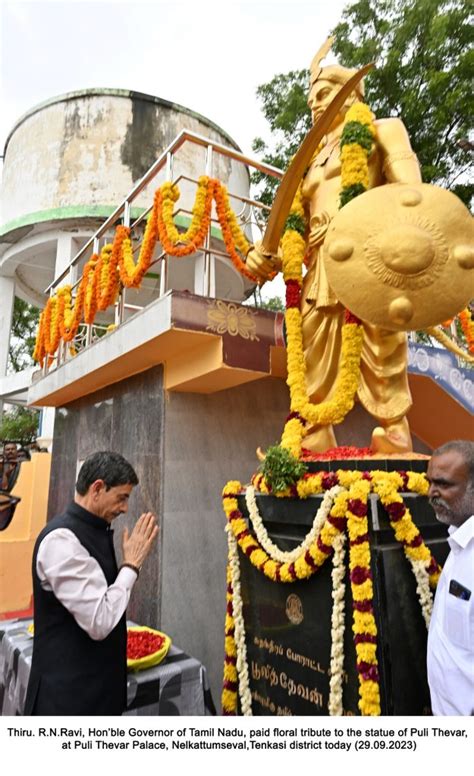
(281, 469)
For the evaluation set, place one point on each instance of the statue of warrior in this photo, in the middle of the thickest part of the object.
(383, 388)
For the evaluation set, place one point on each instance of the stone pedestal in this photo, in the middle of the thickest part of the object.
(288, 626)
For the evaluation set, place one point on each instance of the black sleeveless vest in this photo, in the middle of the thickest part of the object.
(71, 674)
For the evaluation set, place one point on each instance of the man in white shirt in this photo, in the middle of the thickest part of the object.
(80, 596)
(451, 633)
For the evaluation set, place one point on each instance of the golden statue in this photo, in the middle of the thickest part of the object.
(383, 388)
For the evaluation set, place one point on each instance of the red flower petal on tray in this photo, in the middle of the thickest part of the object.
(142, 643)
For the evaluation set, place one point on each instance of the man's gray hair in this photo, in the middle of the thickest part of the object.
(464, 448)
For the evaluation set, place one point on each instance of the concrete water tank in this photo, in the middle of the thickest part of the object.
(71, 160)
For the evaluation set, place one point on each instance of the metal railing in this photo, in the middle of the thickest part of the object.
(248, 211)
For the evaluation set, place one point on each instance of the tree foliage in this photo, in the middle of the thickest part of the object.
(19, 425)
(284, 105)
(23, 334)
(424, 61)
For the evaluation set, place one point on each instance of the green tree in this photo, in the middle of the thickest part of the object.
(23, 335)
(424, 61)
(19, 424)
(284, 105)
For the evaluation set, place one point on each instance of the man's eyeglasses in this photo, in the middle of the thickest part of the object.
(7, 508)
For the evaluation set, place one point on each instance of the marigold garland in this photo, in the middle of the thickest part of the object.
(99, 284)
(364, 627)
(467, 324)
(231, 680)
(356, 145)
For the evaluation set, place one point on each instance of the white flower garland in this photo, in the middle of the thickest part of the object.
(278, 555)
(423, 588)
(239, 625)
(262, 535)
(335, 707)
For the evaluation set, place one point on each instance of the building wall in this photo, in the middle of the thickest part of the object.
(126, 417)
(17, 541)
(209, 440)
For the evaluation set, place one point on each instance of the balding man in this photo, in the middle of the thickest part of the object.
(451, 633)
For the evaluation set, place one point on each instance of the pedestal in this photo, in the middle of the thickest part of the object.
(288, 625)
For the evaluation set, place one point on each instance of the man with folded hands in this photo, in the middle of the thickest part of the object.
(80, 595)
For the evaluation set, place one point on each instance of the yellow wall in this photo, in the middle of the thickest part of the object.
(17, 541)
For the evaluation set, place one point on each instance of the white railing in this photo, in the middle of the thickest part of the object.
(248, 211)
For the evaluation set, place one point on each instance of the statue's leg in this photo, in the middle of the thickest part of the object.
(392, 437)
(319, 439)
(383, 388)
(322, 347)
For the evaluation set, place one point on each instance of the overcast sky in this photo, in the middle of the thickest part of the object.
(208, 56)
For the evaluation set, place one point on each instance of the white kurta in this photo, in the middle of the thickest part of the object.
(65, 567)
(451, 633)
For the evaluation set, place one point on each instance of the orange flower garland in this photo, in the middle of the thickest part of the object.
(108, 279)
(91, 280)
(71, 317)
(231, 232)
(467, 325)
(100, 280)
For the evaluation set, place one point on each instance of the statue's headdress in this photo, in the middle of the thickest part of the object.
(335, 73)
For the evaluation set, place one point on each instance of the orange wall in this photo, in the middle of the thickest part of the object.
(17, 541)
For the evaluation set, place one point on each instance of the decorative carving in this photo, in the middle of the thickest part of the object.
(233, 319)
(407, 252)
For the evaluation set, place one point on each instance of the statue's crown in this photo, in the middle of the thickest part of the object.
(335, 73)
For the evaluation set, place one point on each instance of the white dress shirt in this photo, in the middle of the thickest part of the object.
(451, 633)
(65, 567)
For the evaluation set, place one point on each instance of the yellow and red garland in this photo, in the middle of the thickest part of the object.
(348, 513)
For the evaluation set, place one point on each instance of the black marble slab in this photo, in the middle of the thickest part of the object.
(370, 464)
(288, 626)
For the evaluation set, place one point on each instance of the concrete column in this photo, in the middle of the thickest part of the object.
(65, 250)
(199, 272)
(46, 428)
(7, 300)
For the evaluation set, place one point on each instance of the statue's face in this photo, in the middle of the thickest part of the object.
(321, 94)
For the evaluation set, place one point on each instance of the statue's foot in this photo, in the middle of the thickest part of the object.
(394, 438)
(320, 439)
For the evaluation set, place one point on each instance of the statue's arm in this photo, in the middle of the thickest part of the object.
(400, 164)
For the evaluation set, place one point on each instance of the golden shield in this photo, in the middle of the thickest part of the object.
(401, 256)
